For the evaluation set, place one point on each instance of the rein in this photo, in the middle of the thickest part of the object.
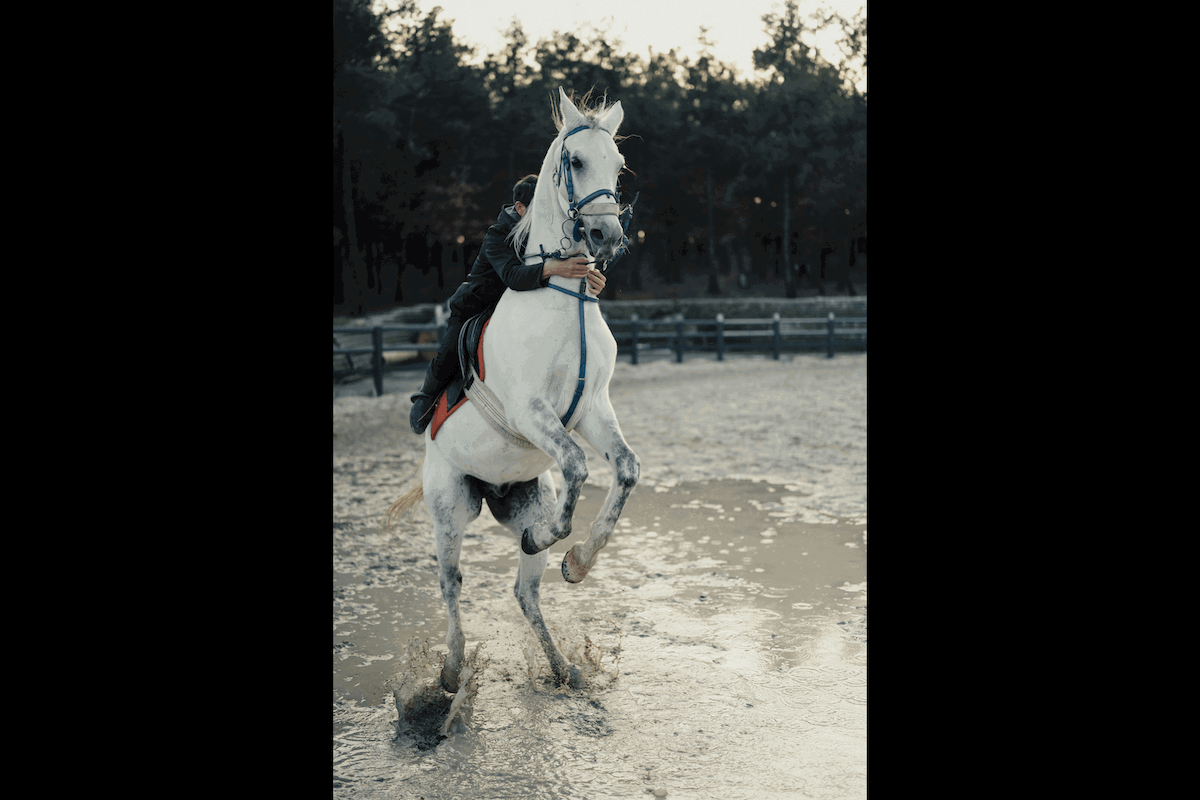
(582, 349)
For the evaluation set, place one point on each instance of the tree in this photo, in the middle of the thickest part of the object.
(360, 49)
(800, 123)
(430, 175)
(428, 141)
(716, 134)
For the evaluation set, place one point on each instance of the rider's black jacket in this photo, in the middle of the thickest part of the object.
(496, 268)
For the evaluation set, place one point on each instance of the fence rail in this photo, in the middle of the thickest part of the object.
(768, 334)
(772, 334)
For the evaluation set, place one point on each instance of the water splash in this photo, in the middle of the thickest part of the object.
(710, 674)
(425, 713)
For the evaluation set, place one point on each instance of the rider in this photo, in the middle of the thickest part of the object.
(498, 267)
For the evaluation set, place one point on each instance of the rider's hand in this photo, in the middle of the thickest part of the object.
(596, 281)
(576, 267)
(573, 267)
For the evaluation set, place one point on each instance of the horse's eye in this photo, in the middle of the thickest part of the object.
(576, 163)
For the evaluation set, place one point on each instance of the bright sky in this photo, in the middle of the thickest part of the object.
(734, 26)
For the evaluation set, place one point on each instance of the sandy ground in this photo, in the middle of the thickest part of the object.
(723, 628)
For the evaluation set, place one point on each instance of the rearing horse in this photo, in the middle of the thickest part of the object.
(534, 353)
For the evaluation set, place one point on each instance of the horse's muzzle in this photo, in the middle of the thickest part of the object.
(603, 235)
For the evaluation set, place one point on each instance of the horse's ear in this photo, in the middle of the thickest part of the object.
(612, 119)
(570, 114)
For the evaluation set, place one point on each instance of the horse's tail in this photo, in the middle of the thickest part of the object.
(406, 501)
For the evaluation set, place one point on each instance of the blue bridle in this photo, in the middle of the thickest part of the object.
(575, 210)
(574, 213)
(582, 350)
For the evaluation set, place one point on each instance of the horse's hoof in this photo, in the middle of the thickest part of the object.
(572, 570)
(449, 682)
(527, 545)
(573, 679)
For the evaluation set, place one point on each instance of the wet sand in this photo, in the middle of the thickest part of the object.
(723, 629)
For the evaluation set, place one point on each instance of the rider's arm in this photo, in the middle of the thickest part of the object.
(515, 273)
(522, 277)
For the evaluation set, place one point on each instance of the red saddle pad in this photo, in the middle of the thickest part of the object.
(440, 412)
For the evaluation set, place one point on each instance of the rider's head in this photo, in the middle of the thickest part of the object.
(523, 193)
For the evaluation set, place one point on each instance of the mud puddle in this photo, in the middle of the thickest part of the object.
(723, 628)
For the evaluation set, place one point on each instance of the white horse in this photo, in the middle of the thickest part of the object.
(533, 352)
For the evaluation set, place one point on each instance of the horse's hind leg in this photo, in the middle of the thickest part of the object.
(453, 501)
(529, 579)
(602, 432)
(526, 507)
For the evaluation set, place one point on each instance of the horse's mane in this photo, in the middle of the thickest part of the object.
(590, 113)
(519, 235)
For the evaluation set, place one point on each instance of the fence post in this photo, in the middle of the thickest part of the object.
(720, 337)
(442, 319)
(830, 324)
(775, 325)
(679, 338)
(634, 319)
(377, 358)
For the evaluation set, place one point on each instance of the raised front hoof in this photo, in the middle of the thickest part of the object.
(572, 570)
(527, 545)
(449, 681)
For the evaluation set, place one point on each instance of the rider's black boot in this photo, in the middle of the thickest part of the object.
(422, 412)
(423, 403)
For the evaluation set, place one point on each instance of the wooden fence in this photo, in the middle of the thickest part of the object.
(771, 334)
(637, 336)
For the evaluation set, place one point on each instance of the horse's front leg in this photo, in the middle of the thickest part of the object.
(602, 432)
(540, 426)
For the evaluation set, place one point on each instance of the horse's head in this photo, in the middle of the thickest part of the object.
(588, 166)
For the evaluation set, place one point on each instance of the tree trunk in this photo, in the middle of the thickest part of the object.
(338, 295)
(714, 286)
(743, 261)
(354, 262)
(787, 217)
(670, 260)
(635, 275)
(369, 258)
(439, 262)
(819, 279)
(849, 266)
(789, 275)
(377, 269)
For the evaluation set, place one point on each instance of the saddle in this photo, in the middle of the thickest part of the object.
(470, 364)
(469, 385)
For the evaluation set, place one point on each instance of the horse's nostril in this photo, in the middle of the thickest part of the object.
(598, 234)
